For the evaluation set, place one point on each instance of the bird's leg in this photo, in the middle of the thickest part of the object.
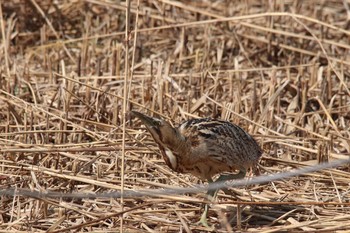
(211, 194)
(240, 175)
(210, 197)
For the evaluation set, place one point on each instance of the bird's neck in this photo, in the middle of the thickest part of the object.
(180, 145)
(177, 143)
(174, 149)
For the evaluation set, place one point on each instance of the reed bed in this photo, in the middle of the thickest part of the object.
(70, 71)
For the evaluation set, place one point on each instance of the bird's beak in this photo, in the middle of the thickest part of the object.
(148, 121)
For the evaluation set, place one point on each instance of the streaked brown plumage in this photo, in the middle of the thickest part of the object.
(204, 147)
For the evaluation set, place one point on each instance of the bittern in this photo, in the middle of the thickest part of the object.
(204, 148)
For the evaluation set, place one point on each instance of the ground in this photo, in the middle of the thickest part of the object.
(279, 69)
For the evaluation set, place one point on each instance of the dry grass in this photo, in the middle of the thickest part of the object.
(280, 70)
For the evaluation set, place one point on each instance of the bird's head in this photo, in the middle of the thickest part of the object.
(161, 130)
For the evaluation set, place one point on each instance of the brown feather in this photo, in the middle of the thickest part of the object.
(203, 147)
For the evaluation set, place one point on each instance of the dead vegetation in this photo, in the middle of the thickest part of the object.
(280, 69)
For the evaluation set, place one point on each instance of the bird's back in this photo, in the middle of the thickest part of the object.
(219, 145)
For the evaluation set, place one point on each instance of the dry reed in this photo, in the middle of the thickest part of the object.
(70, 70)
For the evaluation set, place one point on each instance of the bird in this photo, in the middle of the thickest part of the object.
(204, 147)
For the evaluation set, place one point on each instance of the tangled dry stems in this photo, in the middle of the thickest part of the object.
(280, 70)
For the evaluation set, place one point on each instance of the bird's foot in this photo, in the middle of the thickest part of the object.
(203, 220)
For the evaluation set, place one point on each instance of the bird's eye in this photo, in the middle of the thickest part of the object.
(157, 123)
